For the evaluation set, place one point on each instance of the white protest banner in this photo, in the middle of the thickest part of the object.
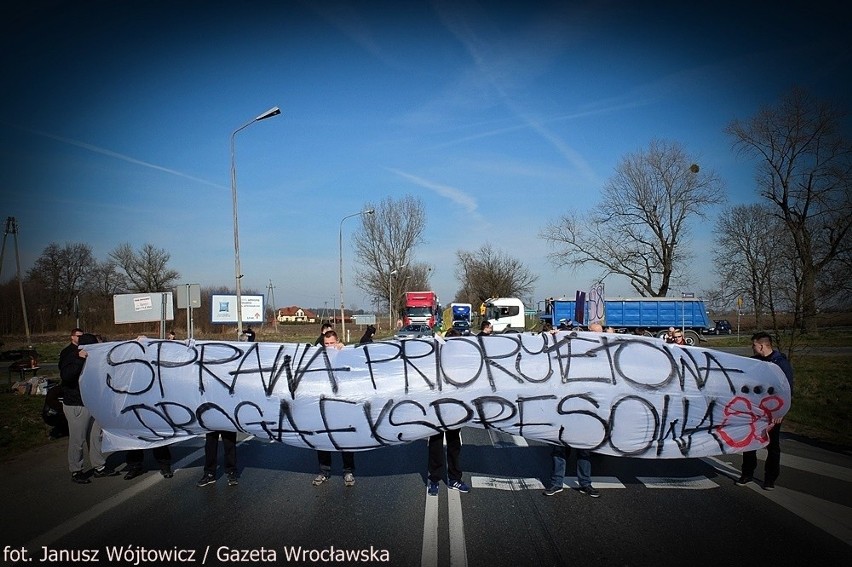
(614, 394)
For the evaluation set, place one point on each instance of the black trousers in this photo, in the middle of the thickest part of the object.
(324, 458)
(135, 457)
(437, 463)
(772, 467)
(211, 451)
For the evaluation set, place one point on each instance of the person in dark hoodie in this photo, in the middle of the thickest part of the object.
(761, 345)
(367, 337)
(82, 428)
(445, 459)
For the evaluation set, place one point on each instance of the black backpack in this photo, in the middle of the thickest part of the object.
(52, 412)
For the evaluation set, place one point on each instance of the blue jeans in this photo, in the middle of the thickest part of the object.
(584, 466)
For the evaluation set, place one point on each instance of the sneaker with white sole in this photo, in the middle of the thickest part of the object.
(80, 477)
(206, 479)
(349, 479)
(589, 491)
(320, 478)
(458, 485)
(553, 490)
(104, 471)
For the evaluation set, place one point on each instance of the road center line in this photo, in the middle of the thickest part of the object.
(429, 552)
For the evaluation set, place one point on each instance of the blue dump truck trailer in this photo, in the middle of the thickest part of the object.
(650, 316)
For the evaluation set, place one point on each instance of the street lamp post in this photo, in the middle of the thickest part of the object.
(274, 111)
(390, 299)
(340, 243)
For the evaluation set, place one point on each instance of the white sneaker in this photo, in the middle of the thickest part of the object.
(349, 479)
(320, 478)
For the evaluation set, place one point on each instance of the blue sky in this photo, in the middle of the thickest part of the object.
(117, 117)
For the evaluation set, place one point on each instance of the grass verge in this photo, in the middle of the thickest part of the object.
(822, 396)
(21, 426)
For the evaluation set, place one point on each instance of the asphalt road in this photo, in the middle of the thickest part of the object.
(651, 512)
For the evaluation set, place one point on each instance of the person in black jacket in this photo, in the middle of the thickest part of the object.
(761, 345)
(82, 428)
(331, 341)
(250, 334)
(447, 460)
(367, 337)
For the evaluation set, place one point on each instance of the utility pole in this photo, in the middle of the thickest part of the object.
(12, 227)
(270, 291)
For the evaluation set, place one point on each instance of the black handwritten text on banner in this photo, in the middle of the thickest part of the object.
(615, 394)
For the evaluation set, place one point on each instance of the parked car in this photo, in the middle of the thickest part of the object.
(463, 327)
(414, 331)
(721, 327)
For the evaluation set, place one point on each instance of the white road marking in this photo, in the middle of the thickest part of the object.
(504, 483)
(830, 517)
(429, 552)
(520, 441)
(689, 483)
(455, 526)
(500, 440)
(811, 466)
(92, 513)
(458, 551)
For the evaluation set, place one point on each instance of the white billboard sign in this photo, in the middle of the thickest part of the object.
(142, 307)
(224, 308)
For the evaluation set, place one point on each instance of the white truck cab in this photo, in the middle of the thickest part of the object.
(507, 314)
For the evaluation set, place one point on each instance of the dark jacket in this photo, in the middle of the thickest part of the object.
(781, 360)
(70, 368)
(367, 337)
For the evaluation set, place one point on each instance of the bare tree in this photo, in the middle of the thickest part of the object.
(60, 273)
(147, 269)
(416, 277)
(640, 227)
(103, 281)
(487, 273)
(384, 245)
(836, 278)
(745, 257)
(804, 171)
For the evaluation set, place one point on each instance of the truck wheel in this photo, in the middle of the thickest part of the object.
(661, 335)
(691, 338)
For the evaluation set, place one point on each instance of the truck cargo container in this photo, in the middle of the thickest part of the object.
(647, 315)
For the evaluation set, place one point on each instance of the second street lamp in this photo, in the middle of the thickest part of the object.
(340, 244)
(390, 299)
(274, 111)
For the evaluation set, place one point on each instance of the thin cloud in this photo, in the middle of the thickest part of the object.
(123, 157)
(344, 17)
(455, 195)
(505, 71)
